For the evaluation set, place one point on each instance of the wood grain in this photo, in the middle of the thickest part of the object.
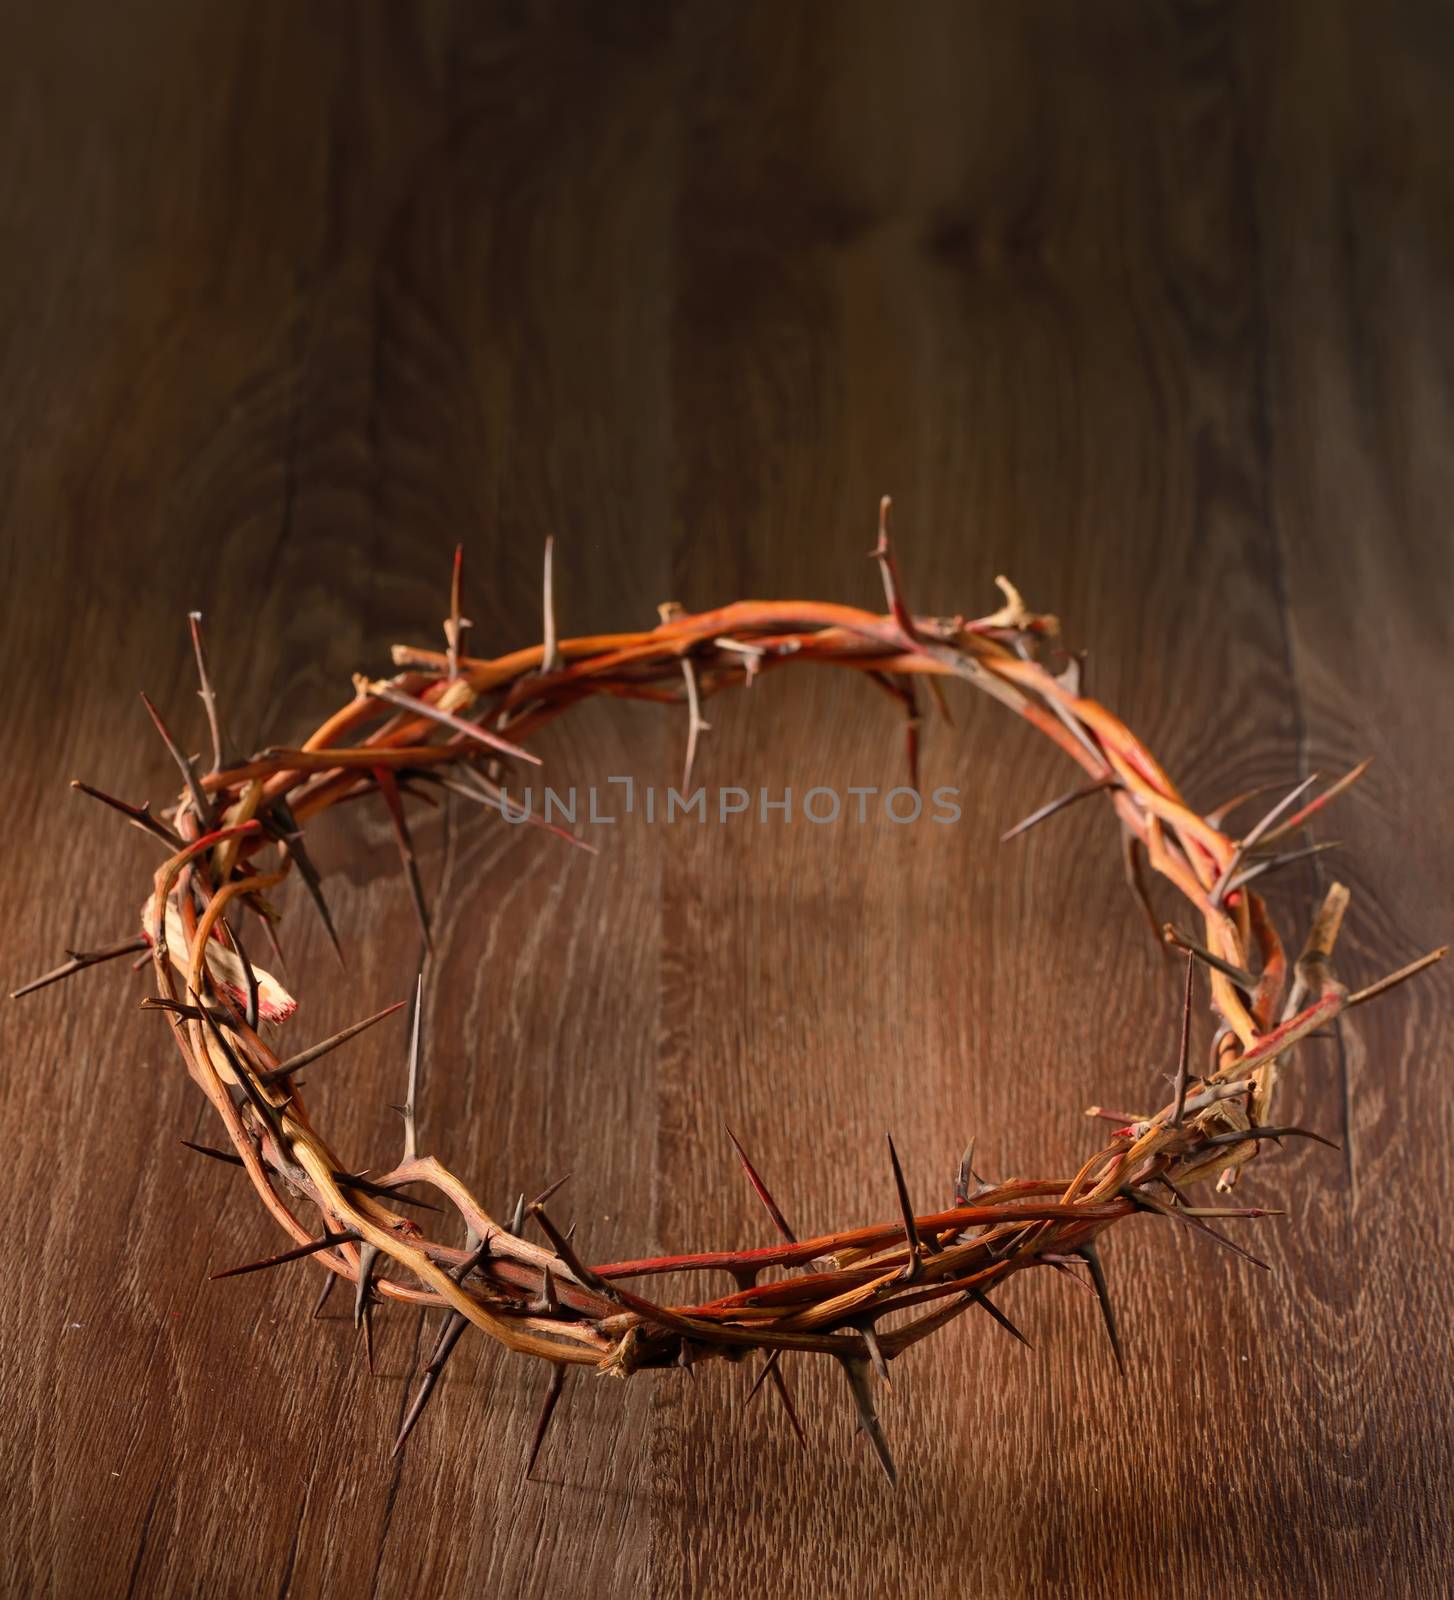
(1146, 306)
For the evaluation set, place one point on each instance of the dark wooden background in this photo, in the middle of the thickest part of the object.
(1146, 305)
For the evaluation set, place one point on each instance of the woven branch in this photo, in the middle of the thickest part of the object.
(862, 1296)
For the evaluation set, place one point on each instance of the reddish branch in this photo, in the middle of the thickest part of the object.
(862, 1296)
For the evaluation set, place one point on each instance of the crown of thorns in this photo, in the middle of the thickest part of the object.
(862, 1296)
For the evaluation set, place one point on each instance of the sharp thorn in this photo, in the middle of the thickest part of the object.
(769, 1204)
(855, 1369)
(289, 836)
(330, 1281)
(547, 1411)
(306, 1058)
(780, 1387)
(1179, 1098)
(1091, 1256)
(389, 788)
(911, 1228)
(411, 1125)
(368, 1255)
(139, 816)
(79, 961)
(1054, 807)
(986, 1304)
(449, 1336)
(297, 1253)
(209, 699)
(965, 1173)
(200, 802)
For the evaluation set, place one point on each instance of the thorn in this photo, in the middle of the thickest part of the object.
(411, 1125)
(545, 1194)
(209, 699)
(902, 687)
(330, 1280)
(306, 1058)
(695, 724)
(454, 1325)
(547, 1411)
(1179, 1214)
(684, 1358)
(389, 788)
(290, 840)
(941, 705)
(79, 961)
(549, 1300)
(516, 1224)
(1332, 792)
(875, 1350)
(888, 567)
(1179, 1094)
(347, 1180)
(1131, 861)
(229, 1156)
(1173, 935)
(1060, 803)
(550, 658)
(762, 1377)
(911, 1228)
(1395, 978)
(771, 1369)
(379, 690)
(1220, 813)
(769, 1204)
(455, 626)
(780, 1386)
(297, 1253)
(1092, 1258)
(855, 1369)
(1241, 1136)
(985, 1303)
(368, 1254)
(1250, 838)
(200, 802)
(1277, 863)
(965, 1173)
(139, 816)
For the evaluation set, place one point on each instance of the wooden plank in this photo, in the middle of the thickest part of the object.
(1140, 306)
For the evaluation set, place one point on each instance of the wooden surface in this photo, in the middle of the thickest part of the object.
(1146, 305)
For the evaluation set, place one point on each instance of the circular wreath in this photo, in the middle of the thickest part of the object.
(862, 1296)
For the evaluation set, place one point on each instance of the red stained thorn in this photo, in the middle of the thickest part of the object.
(760, 1188)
